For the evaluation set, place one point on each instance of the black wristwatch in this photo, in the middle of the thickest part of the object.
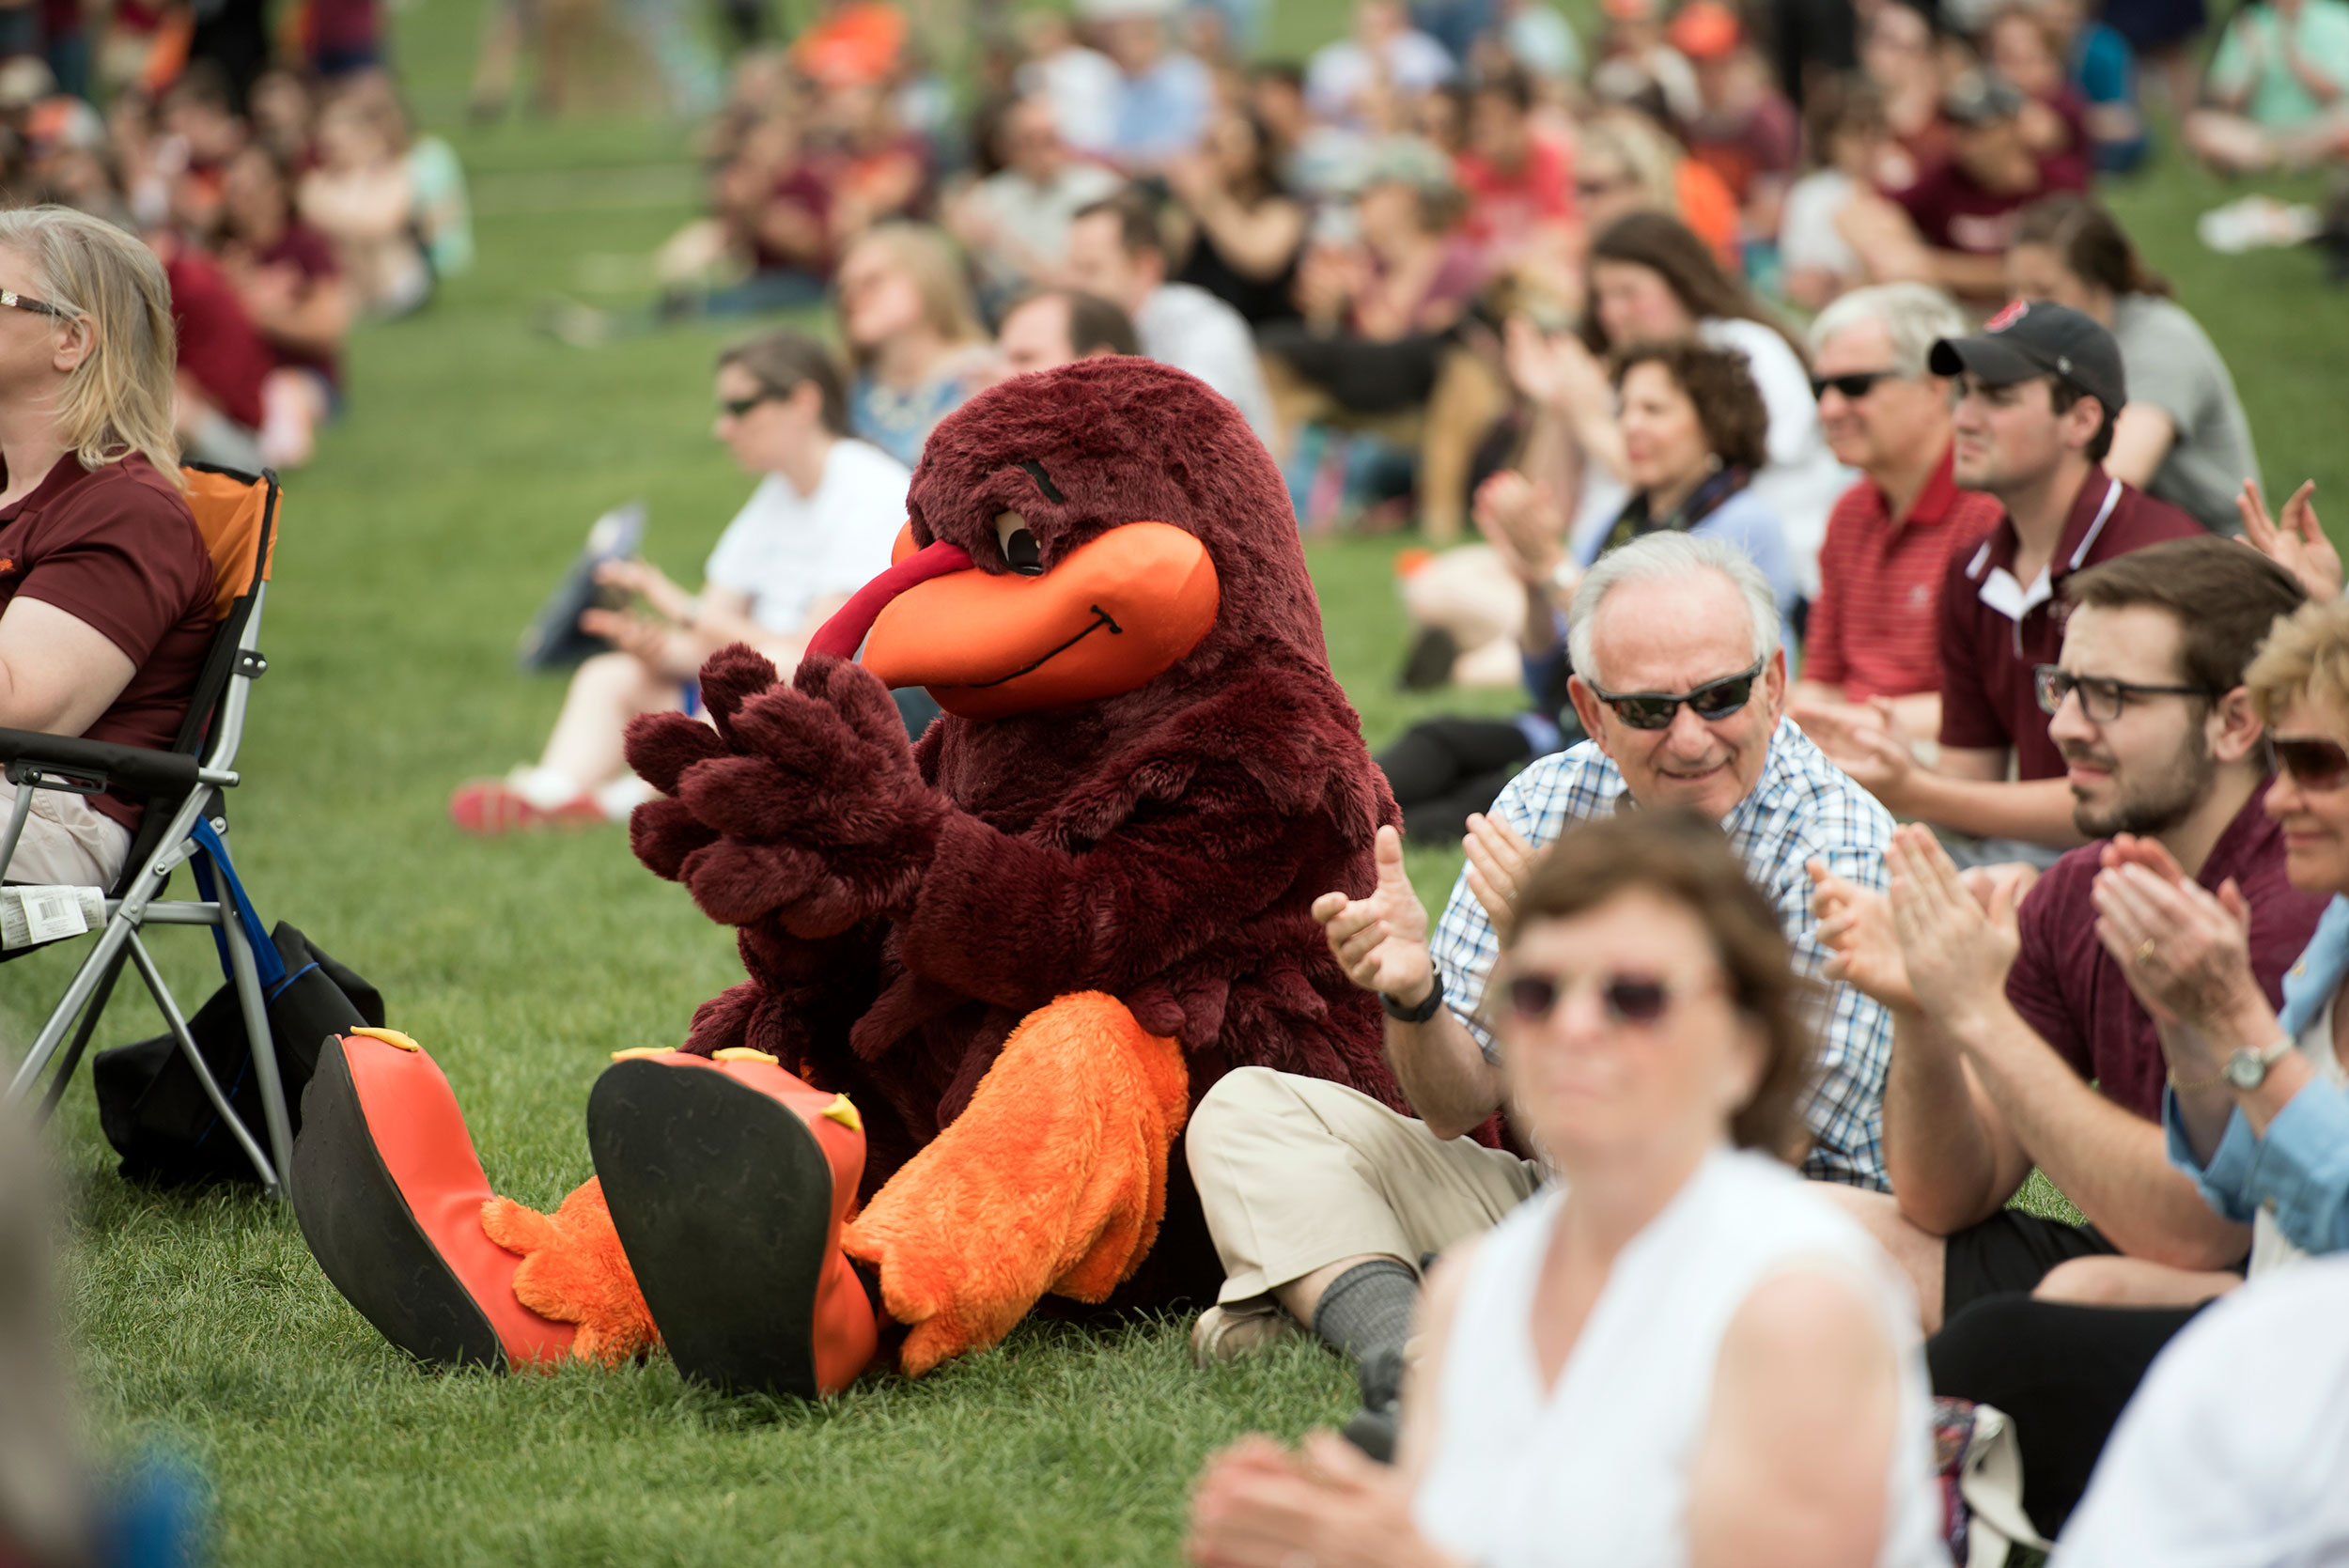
(1424, 1011)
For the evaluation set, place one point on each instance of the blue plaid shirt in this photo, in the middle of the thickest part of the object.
(1802, 806)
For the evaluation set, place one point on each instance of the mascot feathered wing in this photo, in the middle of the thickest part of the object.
(988, 974)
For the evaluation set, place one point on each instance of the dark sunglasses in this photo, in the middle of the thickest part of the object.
(1625, 998)
(1654, 710)
(2314, 764)
(2101, 699)
(735, 408)
(1853, 386)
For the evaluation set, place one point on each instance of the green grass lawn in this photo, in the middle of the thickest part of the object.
(436, 516)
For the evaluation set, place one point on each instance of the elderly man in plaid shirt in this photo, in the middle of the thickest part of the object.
(1322, 1202)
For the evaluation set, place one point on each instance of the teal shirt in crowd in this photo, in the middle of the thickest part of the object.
(2252, 56)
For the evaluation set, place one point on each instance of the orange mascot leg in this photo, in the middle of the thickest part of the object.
(573, 1270)
(1054, 1178)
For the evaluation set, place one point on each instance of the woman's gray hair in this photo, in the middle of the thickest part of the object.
(1913, 315)
(1668, 558)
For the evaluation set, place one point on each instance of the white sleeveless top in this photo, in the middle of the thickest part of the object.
(1597, 1471)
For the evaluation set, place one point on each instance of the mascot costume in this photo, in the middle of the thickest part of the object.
(988, 974)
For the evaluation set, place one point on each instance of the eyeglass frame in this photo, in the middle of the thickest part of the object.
(737, 407)
(2047, 679)
(1672, 989)
(1682, 698)
(15, 300)
(1868, 379)
(2283, 746)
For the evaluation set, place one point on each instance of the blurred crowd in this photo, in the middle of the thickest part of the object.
(280, 179)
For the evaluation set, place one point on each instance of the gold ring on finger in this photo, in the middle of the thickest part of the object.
(2144, 953)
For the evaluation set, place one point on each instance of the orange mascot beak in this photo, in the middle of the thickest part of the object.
(1114, 614)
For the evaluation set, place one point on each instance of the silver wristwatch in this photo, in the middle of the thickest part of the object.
(2248, 1069)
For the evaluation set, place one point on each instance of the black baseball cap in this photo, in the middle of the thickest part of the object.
(2027, 339)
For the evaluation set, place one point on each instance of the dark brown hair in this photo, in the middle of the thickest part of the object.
(1094, 322)
(2095, 247)
(2062, 394)
(1670, 249)
(1683, 858)
(1846, 101)
(1718, 381)
(780, 361)
(2224, 598)
(1137, 217)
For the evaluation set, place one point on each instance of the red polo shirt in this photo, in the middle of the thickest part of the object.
(1995, 629)
(2068, 988)
(1873, 630)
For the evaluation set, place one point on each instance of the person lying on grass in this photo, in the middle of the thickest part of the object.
(1676, 1351)
(819, 527)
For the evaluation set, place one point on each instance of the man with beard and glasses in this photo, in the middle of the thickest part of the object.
(2016, 1041)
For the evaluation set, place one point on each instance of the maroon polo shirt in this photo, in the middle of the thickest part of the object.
(1873, 630)
(116, 547)
(2068, 988)
(1995, 630)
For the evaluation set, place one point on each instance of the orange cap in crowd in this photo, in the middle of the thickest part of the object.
(1703, 30)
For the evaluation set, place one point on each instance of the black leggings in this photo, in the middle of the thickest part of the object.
(1441, 769)
(2061, 1371)
(1363, 376)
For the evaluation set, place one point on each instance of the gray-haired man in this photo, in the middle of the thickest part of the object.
(1321, 1200)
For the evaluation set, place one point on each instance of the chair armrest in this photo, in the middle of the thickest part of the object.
(128, 769)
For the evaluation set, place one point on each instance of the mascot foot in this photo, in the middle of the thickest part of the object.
(728, 1182)
(389, 1191)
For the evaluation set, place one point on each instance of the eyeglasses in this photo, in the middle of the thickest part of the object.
(1654, 710)
(15, 300)
(1853, 386)
(1591, 190)
(2101, 700)
(1626, 999)
(2314, 764)
(735, 408)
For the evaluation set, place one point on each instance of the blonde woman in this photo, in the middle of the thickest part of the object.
(105, 587)
(914, 336)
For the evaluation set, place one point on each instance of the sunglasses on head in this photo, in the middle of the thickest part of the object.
(1853, 386)
(2313, 763)
(1654, 710)
(1626, 999)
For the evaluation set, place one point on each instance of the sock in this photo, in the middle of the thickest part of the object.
(1366, 1312)
(543, 787)
(623, 795)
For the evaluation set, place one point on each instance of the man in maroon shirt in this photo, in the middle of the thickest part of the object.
(1869, 644)
(2038, 392)
(2026, 1047)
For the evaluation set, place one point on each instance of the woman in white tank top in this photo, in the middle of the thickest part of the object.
(1675, 1353)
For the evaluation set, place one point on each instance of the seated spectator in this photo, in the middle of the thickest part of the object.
(2275, 88)
(1638, 66)
(1164, 98)
(1535, 37)
(106, 607)
(1623, 1362)
(223, 364)
(1519, 184)
(1625, 162)
(2233, 1448)
(2004, 1019)
(1743, 130)
(1322, 1203)
(1952, 228)
(287, 279)
(1061, 326)
(912, 335)
(1870, 641)
(819, 527)
(281, 110)
(1116, 250)
(1081, 84)
(1354, 81)
(441, 209)
(1015, 222)
(1898, 56)
(2103, 73)
(1847, 137)
(362, 195)
(1313, 158)
(1652, 280)
(2183, 437)
(2034, 435)
(2024, 47)
(1246, 231)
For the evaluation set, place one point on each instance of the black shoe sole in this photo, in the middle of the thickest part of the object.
(723, 1202)
(365, 1237)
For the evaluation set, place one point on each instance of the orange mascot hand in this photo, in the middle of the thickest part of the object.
(573, 1271)
(1052, 1178)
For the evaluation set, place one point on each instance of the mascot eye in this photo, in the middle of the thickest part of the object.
(1020, 551)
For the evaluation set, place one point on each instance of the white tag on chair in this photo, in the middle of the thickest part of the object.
(52, 912)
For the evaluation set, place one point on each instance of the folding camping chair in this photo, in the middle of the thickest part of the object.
(186, 818)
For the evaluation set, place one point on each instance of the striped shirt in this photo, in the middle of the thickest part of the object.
(1801, 807)
(1873, 630)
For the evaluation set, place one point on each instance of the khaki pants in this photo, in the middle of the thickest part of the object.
(65, 840)
(1296, 1173)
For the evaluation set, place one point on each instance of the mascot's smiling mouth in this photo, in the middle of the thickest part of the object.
(990, 644)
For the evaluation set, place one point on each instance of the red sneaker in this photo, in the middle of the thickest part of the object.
(488, 807)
